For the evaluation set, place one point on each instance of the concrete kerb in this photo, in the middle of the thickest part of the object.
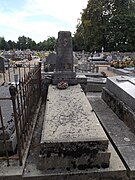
(14, 171)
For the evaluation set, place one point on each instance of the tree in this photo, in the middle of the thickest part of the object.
(12, 44)
(121, 26)
(3, 44)
(107, 23)
(51, 43)
(27, 43)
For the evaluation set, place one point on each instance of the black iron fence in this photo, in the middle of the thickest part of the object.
(23, 99)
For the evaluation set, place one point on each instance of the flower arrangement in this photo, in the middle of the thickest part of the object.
(127, 62)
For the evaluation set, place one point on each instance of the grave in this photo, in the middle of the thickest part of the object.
(119, 94)
(95, 84)
(72, 137)
(123, 87)
(8, 120)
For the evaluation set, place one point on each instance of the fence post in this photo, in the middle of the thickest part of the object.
(13, 92)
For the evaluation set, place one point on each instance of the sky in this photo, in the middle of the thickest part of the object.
(38, 19)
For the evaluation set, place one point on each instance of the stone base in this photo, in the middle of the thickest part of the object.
(92, 160)
(116, 171)
(68, 76)
(70, 81)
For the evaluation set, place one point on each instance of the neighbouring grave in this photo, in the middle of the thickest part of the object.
(119, 94)
(51, 62)
(8, 120)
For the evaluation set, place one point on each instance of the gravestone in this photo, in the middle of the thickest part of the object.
(51, 61)
(8, 121)
(64, 52)
(64, 61)
(2, 65)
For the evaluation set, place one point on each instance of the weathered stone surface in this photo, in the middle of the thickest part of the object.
(7, 113)
(121, 136)
(71, 130)
(116, 171)
(125, 113)
(64, 62)
(122, 87)
(118, 131)
(51, 58)
(64, 52)
(70, 81)
(8, 121)
(2, 65)
(75, 161)
(69, 117)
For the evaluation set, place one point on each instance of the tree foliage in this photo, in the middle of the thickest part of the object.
(27, 43)
(107, 23)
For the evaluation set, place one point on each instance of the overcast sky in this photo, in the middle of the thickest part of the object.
(38, 19)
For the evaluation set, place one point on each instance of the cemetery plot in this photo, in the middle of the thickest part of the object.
(71, 132)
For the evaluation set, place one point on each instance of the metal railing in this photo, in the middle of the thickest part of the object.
(24, 97)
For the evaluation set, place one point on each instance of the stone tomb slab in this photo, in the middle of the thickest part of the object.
(71, 129)
(8, 121)
(123, 87)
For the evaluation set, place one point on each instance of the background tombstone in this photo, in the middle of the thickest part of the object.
(51, 61)
(2, 65)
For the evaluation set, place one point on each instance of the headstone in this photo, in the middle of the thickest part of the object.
(51, 61)
(51, 58)
(64, 62)
(2, 65)
(64, 52)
